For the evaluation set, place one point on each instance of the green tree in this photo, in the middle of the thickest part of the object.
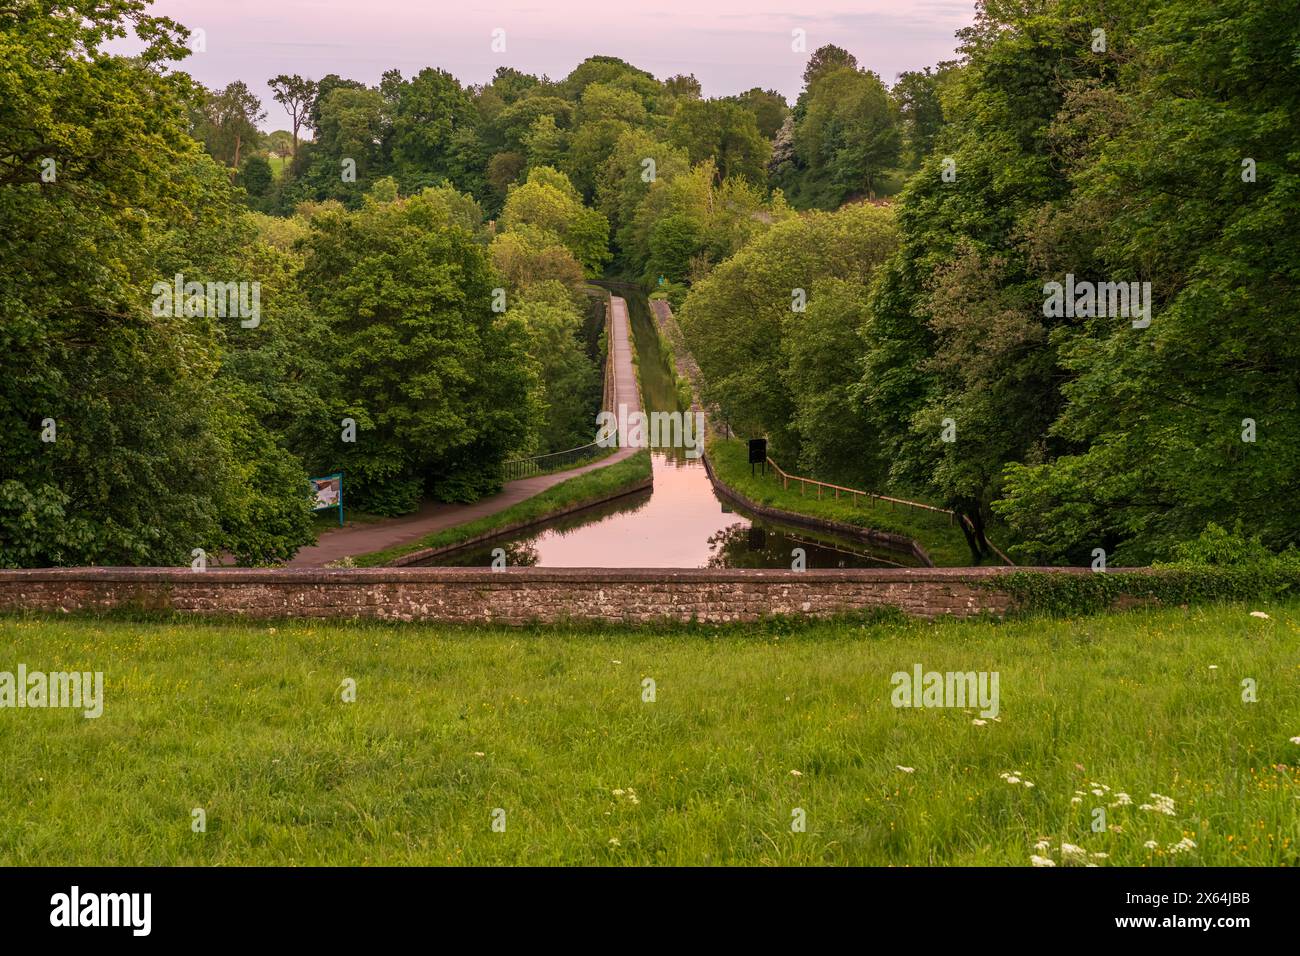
(230, 118)
(849, 132)
(549, 202)
(441, 383)
(431, 114)
(738, 317)
(255, 176)
(769, 108)
(723, 132)
(920, 110)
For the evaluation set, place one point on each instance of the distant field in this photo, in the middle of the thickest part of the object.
(246, 722)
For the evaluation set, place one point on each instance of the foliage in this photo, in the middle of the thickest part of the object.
(437, 382)
(738, 319)
(149, 454)
(548, 202)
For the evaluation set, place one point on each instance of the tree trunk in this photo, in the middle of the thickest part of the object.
(972, 526)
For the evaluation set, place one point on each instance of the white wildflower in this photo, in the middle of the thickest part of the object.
(1163, 805)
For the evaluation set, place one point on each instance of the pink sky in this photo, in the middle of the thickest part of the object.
(730, 45)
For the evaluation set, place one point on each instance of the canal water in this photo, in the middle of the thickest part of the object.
(681, 522)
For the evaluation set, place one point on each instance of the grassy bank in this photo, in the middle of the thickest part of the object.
(246, 722)
(591, 486)
(942, 540)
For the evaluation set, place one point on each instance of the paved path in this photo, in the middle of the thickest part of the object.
(339, 543)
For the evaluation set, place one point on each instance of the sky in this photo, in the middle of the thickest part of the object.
(730, 45)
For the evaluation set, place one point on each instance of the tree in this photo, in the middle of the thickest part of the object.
(625, 179)
(545, 144)
(255, 176)
(354, 124)
(514, 123)
(296, 95)
(683, 86)
(920, 110)
(724, 132)
(526, 255)
(674, 242)
(769, 109)
(737, 318)
(826, 59)
(1192, 420)
(569, 380)
(280, 143)
(233, 114)
(549, 202)
(324, 87)
(441, 382)
(849, 131)
(503, 171)
(429, 112)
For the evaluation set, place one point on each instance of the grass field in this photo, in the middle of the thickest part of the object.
(942, 540)
(247, 722)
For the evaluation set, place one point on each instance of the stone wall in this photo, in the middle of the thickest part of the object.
(510, 596)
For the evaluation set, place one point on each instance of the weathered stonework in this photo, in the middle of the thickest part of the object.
(512, 596)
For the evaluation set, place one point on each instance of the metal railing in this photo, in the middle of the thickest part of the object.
(872, 498)
(555, 461)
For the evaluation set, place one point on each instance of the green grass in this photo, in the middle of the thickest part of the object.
(942, 540)
(245, 720)
(590, 486)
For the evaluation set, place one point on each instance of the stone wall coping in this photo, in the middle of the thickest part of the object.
(520, 576)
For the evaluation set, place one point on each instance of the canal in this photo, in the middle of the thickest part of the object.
(681, 522)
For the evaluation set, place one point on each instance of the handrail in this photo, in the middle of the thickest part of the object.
(786, 478)
(526, 467)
